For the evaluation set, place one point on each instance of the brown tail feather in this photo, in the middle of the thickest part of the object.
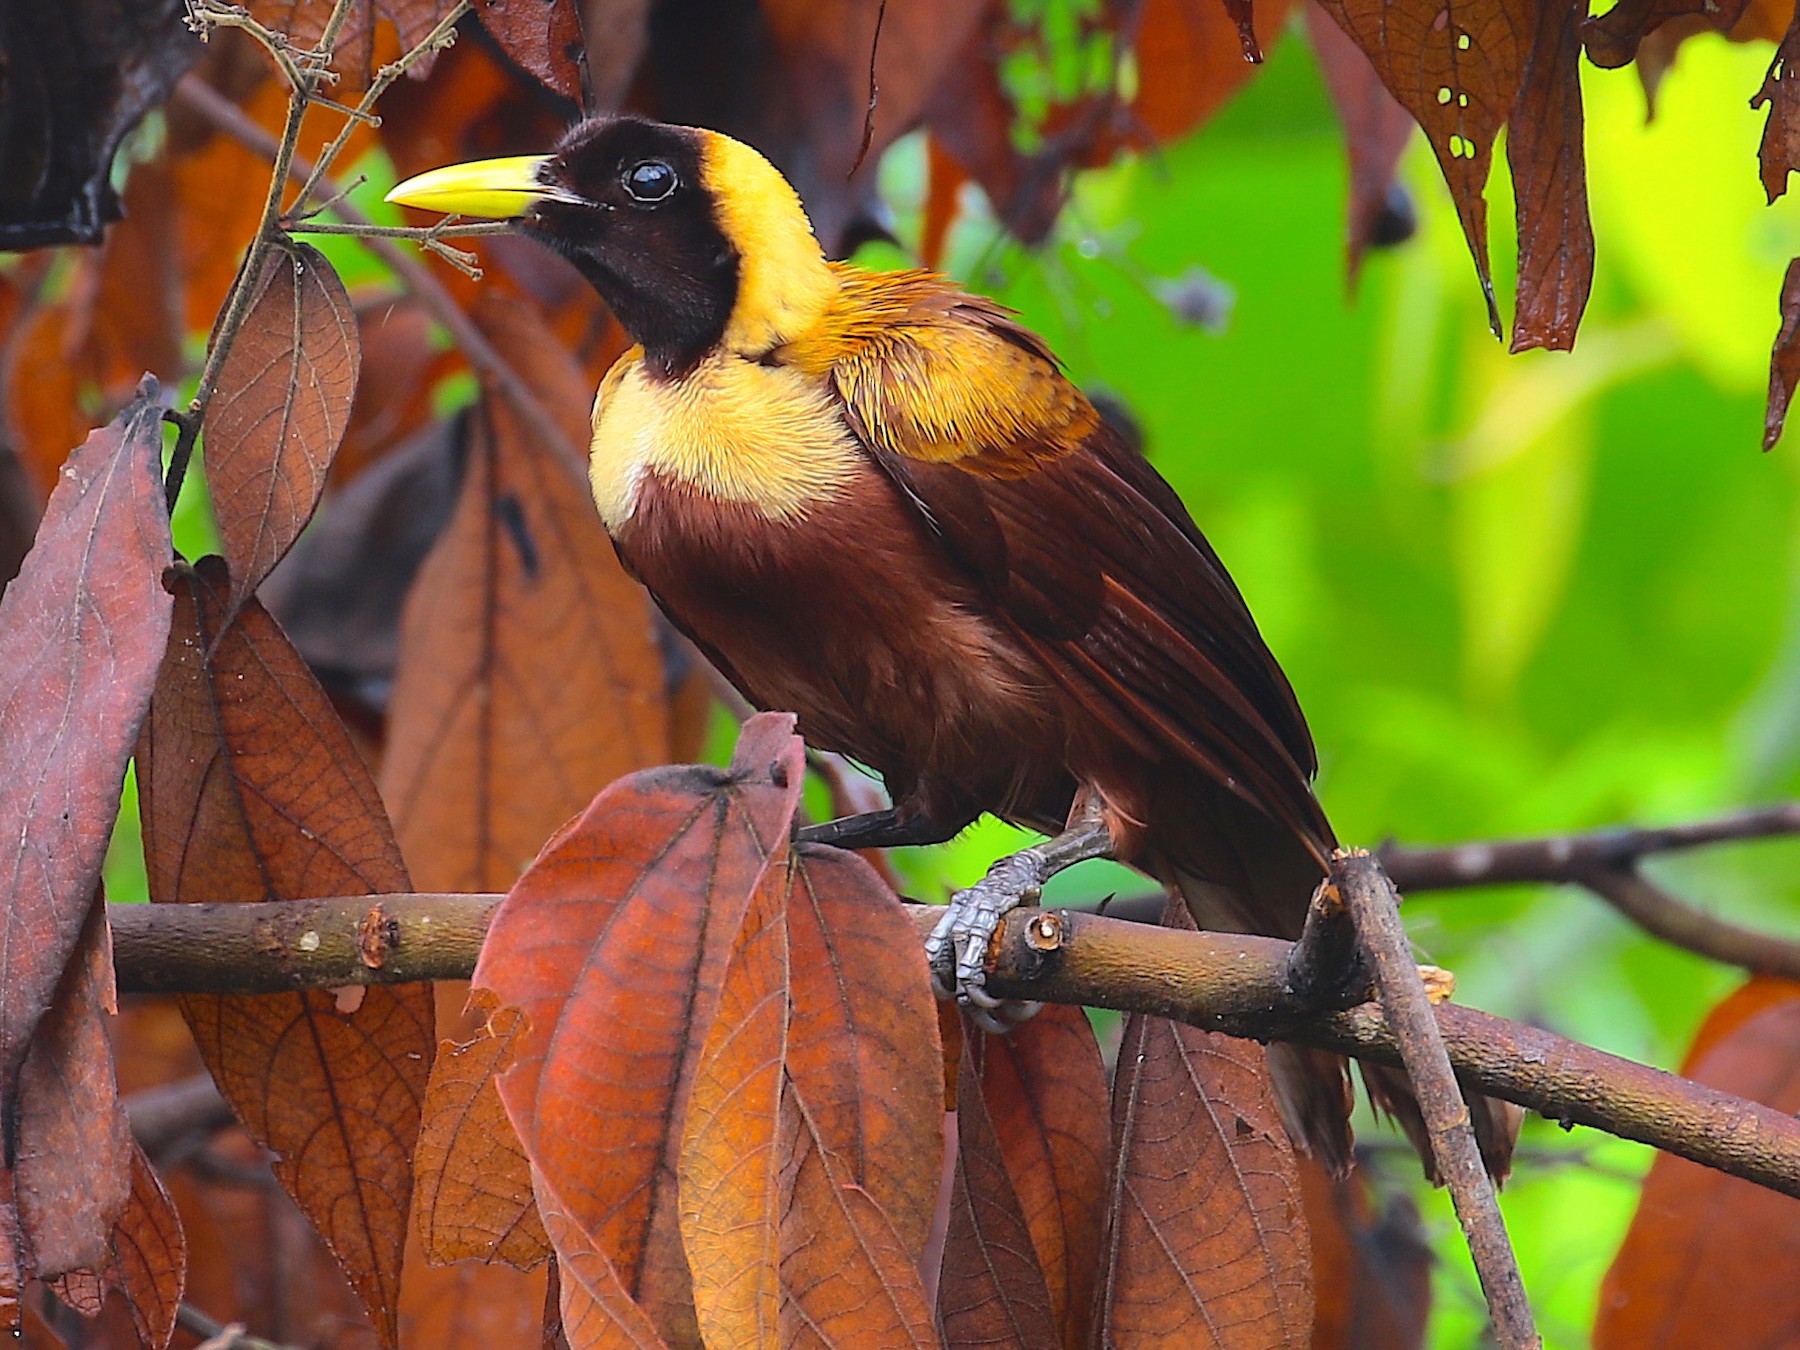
(1496, 1122)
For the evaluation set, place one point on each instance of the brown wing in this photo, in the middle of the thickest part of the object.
(1084, 551)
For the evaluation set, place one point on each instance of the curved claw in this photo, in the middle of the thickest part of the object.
(958, 946)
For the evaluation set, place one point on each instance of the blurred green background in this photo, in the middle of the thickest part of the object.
(1516, 594)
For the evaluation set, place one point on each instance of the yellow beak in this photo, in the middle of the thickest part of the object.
(496, 189)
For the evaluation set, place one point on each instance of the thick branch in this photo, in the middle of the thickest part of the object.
(1223, 982)
(1374, 906)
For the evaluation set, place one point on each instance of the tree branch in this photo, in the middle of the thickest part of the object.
(1223, 982)
(1374, 905)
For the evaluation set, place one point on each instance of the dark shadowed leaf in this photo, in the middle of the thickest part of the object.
(282, 404)
(529, 674)
(544, 36)
(1779, 154)
(474, 1182)
(613, 946)
(1784, 359)
(1456, 67)
(81, 629)
(1206, 1240)
(1706, 1258)
(78, 77)
(1372, 1272)
(1376, 128)
(73, 1145)
(1046, 1093)
(252, 790)
(1612, 38)
(991, 1289)
(1549, 171)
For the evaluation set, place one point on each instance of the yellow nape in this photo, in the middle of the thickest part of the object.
(784, 282)
(767, 437)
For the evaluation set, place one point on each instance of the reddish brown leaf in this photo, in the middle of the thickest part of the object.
(1372, 1271)
(543, 36)
(150, 1255)
(613, 945)
(468, 1305)
(1206, 1240)
(846, 1277)
(862, 1042)
(991, 1289)
(597, 1313)
(42, 389)
(377, 30)
(81, 629)
(1706, 1259)
(72, 1145)
(402, 365)
(1457, 67)
(1779, 154)
(252, 790)
(730, 1160)
(529, 675)
(1784, 359)
(1045, 1091)
(1376, 128)
(137, 290)
(1193, 55)
(282, 404)
(473, 1181)
(1612, 38)
(1549, 172)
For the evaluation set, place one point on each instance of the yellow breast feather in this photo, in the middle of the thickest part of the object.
(769, 436)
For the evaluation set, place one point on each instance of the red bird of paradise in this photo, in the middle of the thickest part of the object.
(875, 500)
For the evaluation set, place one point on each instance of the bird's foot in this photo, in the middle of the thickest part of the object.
(958, 947)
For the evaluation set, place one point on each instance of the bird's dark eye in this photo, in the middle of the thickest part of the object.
(651, 180)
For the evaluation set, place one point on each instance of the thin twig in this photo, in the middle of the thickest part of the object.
(1374, 905)
(419, 234)
(1219, 981)
(217, 1335)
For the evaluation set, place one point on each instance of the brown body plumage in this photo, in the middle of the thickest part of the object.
(877, 501)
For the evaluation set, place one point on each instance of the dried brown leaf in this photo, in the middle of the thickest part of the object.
(1045, 1092)
(469, 1305)
(1194, 56)
(1376, 128)
(991, 1288)
(1549, 172)
(1372, 1271)
(83, 626)
(1784, 358)
(376, 31)
(613, 945)
(1779, 154)
(597, 1313)
(543, 36)
(150, 1255)
(251, 789)
(529, 675)
(1612, 38)
(1457, 67)
(279, 413)
(1206, 1241)
(1706, 1259)
(473, 1180)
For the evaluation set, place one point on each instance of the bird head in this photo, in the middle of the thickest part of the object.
(693, 239)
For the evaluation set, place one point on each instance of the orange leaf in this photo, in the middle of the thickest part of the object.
(991, 1289)
(81, 627)
(1206, 1240)
(1372, 1272)
(1708, 1257)
(282, 403)
(473, 1180)
(252, 790)
(529, 674)
(1045, 1090)
(544, 38)
(613, 946)
(1192, 57)
(597, 1313)
(469, 1305)
(1613, 38)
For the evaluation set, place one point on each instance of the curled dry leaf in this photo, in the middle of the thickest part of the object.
(279, 413)
(251, 789)
(473, 1180)
(83, 627)
(1045, 1091)
(1206, 1241)
(1456, 66)
(529, 674)
(1779, 154)
(543, 36)
(1612, 38)
(470, 1305)
(613, 946)
(991, 1288)
(1376, 128)
(1784, 359)
(1707, 1257)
